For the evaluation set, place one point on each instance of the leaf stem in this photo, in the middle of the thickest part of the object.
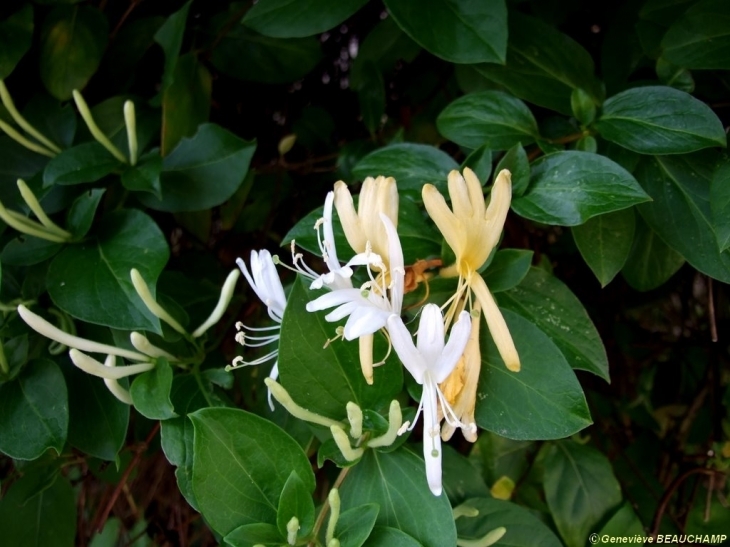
(326, 506)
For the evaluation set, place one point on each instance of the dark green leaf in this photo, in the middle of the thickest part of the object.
(605, 242)
(86, 162)
(412, 166)
(516, 162)
(170, 36)
(624, 522)
(72, 44)
(586, 144)
(109, 116)
(490, 118)
(185, 102)
(507, 269)
(583, 107)
(82, 211)
(150, 392)
(397, 482)
(461, 479)
(254, 534)
(371, 95)
(203, 171)
(295, 501)
(45, 520)
(552, 404)
(17, 162)
(145, 176)
(549, 304)
(543, 65)
(16, 35)
(91, 281)
(720, 203)
(241, 464)
(97, 420)
(651, 262)
(470, 31)
(355, 524)
(701, 37)
(479, 161)
(660, 120)
(568, 188)
(293, 19)
(680, 213)
(34, 411)
(499, 457)
(523, 528)
(52, 119)
(28, 250)
(580, 489)
(322, 379)
(674, 76)
(384, 536)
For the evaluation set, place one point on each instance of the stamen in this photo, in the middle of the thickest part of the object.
(340, 332)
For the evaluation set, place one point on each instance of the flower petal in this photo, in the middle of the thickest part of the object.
(365, 319)
(404, 347)
(348, 217)
(460, 199)
(476, 194)
(430, 341)
(431, 437)
(454, 348)
(499, 203)
(334, 298)
(496, 323)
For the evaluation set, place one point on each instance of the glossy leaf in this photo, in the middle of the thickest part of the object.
(91, 282)
(203, 171)
(624, 522)
(580, 489)
(516, 162)
(145, 176)
(295, 501)
(412, 166)
(479, 161)
(82, 211)
(651, 262)
(490, 118)
(497, 457)
(660, 120)
(34, 411)
(293, 19)
(150, 392)
(355, 524)
(16, 36)
(605, 242)
(507, 269)
(241, 464)
(385, 536)
(549, 304)
(524, 529)
(28, 250)
(720, 203)
(254, 534)
(701, 37)
(583, 107)
(552, 403)
(52, 118)
(72, 44)
(86, 162)
(680, 188)
(170, 37)
(461, 479)
(324, 380)
(397, 482)
(568, 188)
(469, 31)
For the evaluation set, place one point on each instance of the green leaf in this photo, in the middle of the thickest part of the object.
(543, 65)
(583, 107)
(203, 171)
(91, 282)
(16, 36)
(681, 213)
(412, 166)
(82, 211)
(50, 117)
(516, 162)
(150, 392)
(469, 31)
(674, 76)
(701, 37)
(523, 528)
(28, 250)
(461, 480)
(580, 489)
(549, 304)
(586, 144)
(45, 520)
(479, 161)
(490, 118)
(624, 522)
(295, 501)
(397, 482)
(720, 203)
(324, 380)
(497, 457)
(170, 37)
(552, 403)
(651, 262)
(241, 464)
(247, 55)
(507, 269)
(354, 525)
(86, 162)
(185, 102)
(34, 411)
(660, 120)
(97, 420)
(568, 188)
(293, 19)
(385, 536)
(145, 176)
(605, 242)
(72, 44)
(254, 534)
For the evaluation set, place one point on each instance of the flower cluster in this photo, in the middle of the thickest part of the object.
(447, 370)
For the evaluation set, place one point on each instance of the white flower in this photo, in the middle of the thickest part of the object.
(430, 362)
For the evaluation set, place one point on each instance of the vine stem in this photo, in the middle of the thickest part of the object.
(326, 506)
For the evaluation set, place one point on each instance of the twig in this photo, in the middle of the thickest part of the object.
(133, 4)
(326, 506)
(711, 310)
(661, 509)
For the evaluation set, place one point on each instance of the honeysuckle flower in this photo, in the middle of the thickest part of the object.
(430, 361)
(266, 284)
